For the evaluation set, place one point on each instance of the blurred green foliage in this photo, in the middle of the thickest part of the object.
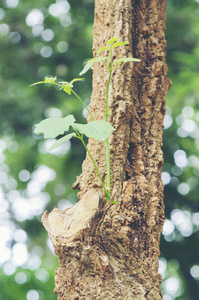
(54, 38)
(181, 151)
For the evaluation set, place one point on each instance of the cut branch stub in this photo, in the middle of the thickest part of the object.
(68, 226)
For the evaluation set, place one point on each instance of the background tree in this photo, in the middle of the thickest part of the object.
(22, 63)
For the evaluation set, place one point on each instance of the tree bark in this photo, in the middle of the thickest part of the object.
(113, 254)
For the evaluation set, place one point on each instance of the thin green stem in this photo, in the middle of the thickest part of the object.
(96, 168)
(106, 141)
(108, 84)
(108, 169)
(107, 91)
(83, 104)
(106, 64)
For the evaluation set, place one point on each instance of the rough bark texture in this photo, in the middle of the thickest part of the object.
(116, 255)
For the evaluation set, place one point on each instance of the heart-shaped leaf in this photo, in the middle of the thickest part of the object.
(52, 127)
(99, 130)
(62, 141)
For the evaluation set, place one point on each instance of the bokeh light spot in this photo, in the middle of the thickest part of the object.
(195, 218)
(20, 236)
(167, 121)
(194, 271)
(2, 13)
(46, 51)
(177, 171)
(189, 125)
(21, 277)
(193, 161)
(14, 37)
(42, 275)
(34, 262)
(62, 46)
(180, 158)
(183, 221)
(12, 3)
(165, 177)
(24, 175)
(11, 184)
(47, 35)
(168, 227)
(52, 112)
(59, 8)
(37, 29)
(20, 254)
(4, 29)
(162, 266)
(167, 297)
(59, 189)
(61, 70)
(183, 188)
(172, 286)
(188, 112)
(32, 295)
(34, 17)
(65, 21)
(9, 268)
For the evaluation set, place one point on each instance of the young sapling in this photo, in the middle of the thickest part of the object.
(98, 129)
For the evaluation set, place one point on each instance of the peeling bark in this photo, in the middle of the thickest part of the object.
(115, 254)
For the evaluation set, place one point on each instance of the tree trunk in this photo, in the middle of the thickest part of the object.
(111, 251)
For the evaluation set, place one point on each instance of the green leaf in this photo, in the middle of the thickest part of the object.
(66, 83)
(66, 89)
(114, 39)
(67, 86)
(117, 44)
(76, 79)
(50, 80)
(87, 66)
(114, 202)
(100, 59)
(62, 141)
(125, 59)
(52, 127)
(102, 49)
(70, 84)
(90, 63)
(109, 112)
(99, 130)
(39, 82)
